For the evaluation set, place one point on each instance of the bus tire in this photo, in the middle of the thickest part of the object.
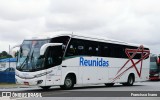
(130, 80)
(109, 84)
(68, 83)
(45, 87)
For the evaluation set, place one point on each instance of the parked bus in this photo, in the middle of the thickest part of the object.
(154, 68)
(69, 59)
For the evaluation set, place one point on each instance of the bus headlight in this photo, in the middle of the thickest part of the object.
(156, 74)
(42, 74)
(39, 75)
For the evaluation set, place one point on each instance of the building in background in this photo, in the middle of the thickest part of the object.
(9, 63)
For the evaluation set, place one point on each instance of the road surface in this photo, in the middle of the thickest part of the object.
(96, 92)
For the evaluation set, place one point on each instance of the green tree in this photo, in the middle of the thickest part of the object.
(4, 54)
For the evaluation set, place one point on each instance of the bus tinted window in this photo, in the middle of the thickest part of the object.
(61, 39)
(117, 51)
(93, 48)
(76, 47)
(105, 50)
(82, 47)
(153, 59)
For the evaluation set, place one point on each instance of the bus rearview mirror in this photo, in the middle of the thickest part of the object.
(45, 46)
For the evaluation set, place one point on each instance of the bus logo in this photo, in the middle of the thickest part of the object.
(100, 62)
(144, 54)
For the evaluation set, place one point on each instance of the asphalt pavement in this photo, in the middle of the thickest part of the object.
(149, 90)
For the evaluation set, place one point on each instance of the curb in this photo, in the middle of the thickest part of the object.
(11, 86)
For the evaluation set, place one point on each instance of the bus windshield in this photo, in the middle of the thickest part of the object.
(153, 64)
(29, 55)
(29, 58)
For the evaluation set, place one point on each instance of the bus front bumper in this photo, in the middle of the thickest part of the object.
(35, 81)
(154, 78)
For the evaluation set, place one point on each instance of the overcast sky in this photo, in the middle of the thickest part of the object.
(136, 21)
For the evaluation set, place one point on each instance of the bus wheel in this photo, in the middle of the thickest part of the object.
(45, 87)
(130, 81)
(68, 83)
(109, 84)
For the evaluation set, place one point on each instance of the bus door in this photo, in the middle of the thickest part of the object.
(53, 64)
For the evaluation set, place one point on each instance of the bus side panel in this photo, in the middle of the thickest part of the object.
(118, 73)
(116, 69)
(102, 75)
(54, 77)
(70, 66)
(145, 71)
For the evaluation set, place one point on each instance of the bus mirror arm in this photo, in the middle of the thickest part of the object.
(45, 46)
(11, 50)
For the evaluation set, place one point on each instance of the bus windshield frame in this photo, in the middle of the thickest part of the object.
(29, 55)
(29, 59)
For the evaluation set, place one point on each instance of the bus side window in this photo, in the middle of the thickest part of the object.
(49, 58)
(119, 52)
(92, 48)
(88, 48)
(75, 48)
(53, 56)
(71, 51)
(105, 50)
(80, 50)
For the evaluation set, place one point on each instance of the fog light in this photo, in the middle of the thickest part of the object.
(39, 81)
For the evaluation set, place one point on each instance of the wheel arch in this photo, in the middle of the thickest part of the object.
(73, 75)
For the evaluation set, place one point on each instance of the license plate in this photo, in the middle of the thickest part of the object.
(26, 83)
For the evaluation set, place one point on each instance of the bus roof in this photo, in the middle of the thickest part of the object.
(81, 36)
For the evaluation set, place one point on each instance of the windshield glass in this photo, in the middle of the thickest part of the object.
(29, 58)
(153, 64)
(29, 55)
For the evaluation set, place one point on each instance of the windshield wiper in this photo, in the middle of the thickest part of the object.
(22, 65)
(32, 61)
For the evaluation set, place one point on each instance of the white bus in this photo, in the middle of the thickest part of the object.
(68, 59)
